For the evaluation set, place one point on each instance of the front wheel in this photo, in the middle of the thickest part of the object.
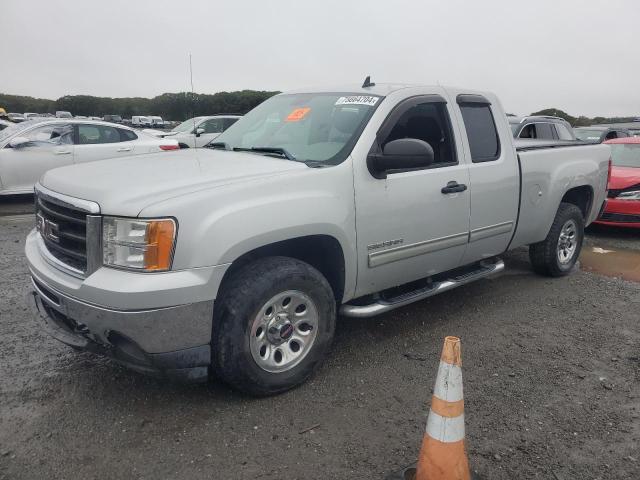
(557, 254)
(273, 325)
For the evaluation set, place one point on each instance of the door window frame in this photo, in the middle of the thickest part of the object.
(398, 111)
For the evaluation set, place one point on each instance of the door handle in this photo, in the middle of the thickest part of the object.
(124, 149)
(454, 187)
(62, 152)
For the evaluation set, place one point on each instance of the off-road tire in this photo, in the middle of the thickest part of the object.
(238, 303)
(544, 255)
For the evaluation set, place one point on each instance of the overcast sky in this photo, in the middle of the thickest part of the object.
(575, 55)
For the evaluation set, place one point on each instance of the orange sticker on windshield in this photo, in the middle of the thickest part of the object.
(298, 114)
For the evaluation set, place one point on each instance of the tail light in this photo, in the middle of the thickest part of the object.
(169, 147)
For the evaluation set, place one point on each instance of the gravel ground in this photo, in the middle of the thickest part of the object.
(551, 369)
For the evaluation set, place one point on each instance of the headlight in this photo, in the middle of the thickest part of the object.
(145, 245)
(633, 195)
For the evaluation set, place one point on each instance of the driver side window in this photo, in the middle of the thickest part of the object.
(49, 135)
(212, 126)
(430, 123)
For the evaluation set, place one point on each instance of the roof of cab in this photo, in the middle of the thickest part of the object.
(382, 89)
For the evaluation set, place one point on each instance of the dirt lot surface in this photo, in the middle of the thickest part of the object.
(551, 371)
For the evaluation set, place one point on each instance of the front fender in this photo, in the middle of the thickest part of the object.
(218, 226)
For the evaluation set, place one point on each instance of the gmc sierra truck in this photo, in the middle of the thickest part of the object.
(235, 260)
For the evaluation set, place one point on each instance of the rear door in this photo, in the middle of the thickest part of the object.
(98, 142)
(493, 175)
(50, 146)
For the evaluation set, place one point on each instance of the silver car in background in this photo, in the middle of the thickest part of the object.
(29, 149)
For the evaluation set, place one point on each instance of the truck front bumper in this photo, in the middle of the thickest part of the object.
(121, 335)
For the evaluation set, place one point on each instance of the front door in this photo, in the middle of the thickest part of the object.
(410, 225)
(49, 147)
(212, 128)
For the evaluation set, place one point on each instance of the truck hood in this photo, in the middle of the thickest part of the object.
(624, 177)
(124, 186)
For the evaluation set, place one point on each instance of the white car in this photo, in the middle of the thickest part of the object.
(140, 121)
(29, 149)
(197, 132)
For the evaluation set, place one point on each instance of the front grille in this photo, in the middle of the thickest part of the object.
(64, 231)
(620, 218)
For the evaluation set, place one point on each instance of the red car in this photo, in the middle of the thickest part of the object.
(623, 202)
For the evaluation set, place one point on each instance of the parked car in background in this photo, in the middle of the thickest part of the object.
(237, 258)
(623, 202)
(16, 117)
(30, 148)
(541, 128)
(599, 134)
(197, 132)
(30, 115)
(112, 118)
(99, 119)
(156, 121)
(4, 124)
(63, 114)
(140, 121)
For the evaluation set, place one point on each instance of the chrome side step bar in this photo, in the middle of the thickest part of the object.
(385, 305)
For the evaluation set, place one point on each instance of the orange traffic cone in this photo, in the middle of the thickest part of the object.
(443, 455)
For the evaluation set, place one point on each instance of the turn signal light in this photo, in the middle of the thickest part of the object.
(159, 252)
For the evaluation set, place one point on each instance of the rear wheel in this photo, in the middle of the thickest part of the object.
(273, 325)
(557, 254)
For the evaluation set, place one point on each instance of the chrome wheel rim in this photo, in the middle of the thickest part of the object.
(567, 242)
(284, 331)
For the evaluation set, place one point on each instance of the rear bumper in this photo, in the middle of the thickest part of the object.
(124, 336)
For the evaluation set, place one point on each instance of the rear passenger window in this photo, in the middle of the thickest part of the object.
(544, 131)
(563, 132)
(481, 132)
(127, 135)
(91, 134)
(229, 121)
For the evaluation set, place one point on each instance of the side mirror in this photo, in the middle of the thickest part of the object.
(199, 131)
(19, 142)
(400, 155)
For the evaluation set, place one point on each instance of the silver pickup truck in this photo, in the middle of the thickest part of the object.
(235, 260)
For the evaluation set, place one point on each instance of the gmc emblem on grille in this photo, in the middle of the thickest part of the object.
(47, 228)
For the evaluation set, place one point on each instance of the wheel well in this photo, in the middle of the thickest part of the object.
(322, 252)
(581, 197)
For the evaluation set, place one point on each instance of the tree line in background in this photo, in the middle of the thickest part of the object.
(180, 106)
(170, 106)
(583, 121)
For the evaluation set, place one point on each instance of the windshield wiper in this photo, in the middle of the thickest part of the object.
(218, 145)
(269, 150)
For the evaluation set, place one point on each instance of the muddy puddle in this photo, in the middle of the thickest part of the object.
(611, 262)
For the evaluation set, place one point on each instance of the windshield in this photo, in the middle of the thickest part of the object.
(187, 125)
(588, 135)
(16, 128)
(317, 127)
(625, 155)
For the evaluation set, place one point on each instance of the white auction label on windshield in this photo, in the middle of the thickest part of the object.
(358, 100)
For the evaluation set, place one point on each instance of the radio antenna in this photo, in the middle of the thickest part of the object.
(193, 108)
